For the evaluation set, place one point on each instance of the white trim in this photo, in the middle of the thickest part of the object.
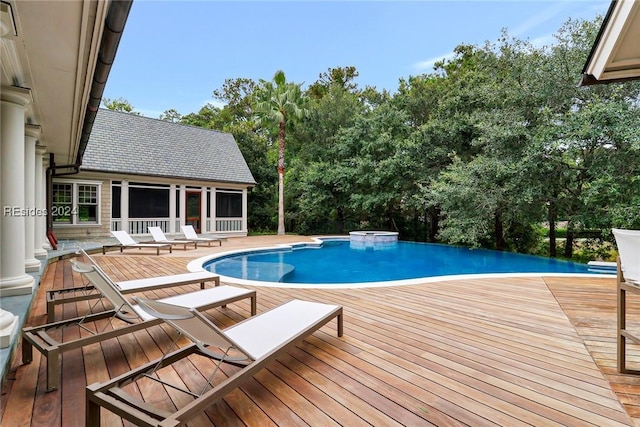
(604, 55)
(245, 208)
(203, 209)
(172, 208)
(81, 181)
(182, 206)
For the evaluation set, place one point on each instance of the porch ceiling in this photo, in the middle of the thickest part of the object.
(50, 47)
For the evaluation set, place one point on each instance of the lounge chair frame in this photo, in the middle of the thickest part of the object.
(52, 349)
(55, 297)
(190, 233)
(623, 333)
(123, 236)
(159, 237)
(628, 280)
(111, 396)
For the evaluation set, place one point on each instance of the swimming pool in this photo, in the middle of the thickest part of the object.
(341, 263)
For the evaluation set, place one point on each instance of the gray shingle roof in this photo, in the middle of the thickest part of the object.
(127, 143)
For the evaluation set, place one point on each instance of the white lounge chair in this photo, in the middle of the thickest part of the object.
(131, 314)
(126, 241)
(159, 237)
(251, 344)
(191, 234)
(55, 297)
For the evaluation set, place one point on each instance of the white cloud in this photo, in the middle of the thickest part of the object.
(545, 40)
(427, 64)
(540, 18)
(217, 104)
(154, 114)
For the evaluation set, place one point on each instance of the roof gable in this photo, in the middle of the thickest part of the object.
(131, 144)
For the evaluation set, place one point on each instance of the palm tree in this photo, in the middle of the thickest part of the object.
(279, 101)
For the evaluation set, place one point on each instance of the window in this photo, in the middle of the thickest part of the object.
(62, 203)
(76, 203)
(87, 203)
(228, 205)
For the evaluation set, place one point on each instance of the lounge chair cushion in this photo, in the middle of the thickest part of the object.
(274, 327)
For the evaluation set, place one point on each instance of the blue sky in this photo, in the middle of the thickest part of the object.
(174, 54)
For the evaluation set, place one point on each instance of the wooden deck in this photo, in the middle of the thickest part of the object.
(510, 351)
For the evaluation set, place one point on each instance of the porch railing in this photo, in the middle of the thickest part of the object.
(228, 224)
(140, 225)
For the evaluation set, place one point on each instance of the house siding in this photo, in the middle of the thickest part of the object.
(84, 231)
(70, 232)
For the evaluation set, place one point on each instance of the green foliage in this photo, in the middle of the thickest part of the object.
(171, 115)
(496, 141)
(340, 78)
(119, 104)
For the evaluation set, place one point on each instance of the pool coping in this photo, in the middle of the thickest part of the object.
(198, 263)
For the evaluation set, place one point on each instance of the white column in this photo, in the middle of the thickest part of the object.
(8, 327)
(32, 133)
(41, 220)
(13, 278)
(183, 204)
(172, 209)
(203, 209)
(214, 228)
(245, 214)
(45, 167)
(124, 205)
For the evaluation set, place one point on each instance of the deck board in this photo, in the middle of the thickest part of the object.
(501, 351)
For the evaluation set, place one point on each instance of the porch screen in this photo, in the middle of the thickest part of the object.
(148, 203)
(228, 205)
(116, 202)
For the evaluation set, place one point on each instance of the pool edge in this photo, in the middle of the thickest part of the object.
(197, 265)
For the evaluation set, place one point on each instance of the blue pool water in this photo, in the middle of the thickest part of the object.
(340, 261)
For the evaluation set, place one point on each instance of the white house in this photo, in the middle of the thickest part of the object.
(138, 172)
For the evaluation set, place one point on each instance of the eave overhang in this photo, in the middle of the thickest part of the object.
(615, 55)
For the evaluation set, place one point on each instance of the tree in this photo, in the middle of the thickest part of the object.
(171, 115)
(587, 138)
(280, 102)
(236, 95)
(321, 164)
(119, 104)
(340, 77)
(208, 117)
